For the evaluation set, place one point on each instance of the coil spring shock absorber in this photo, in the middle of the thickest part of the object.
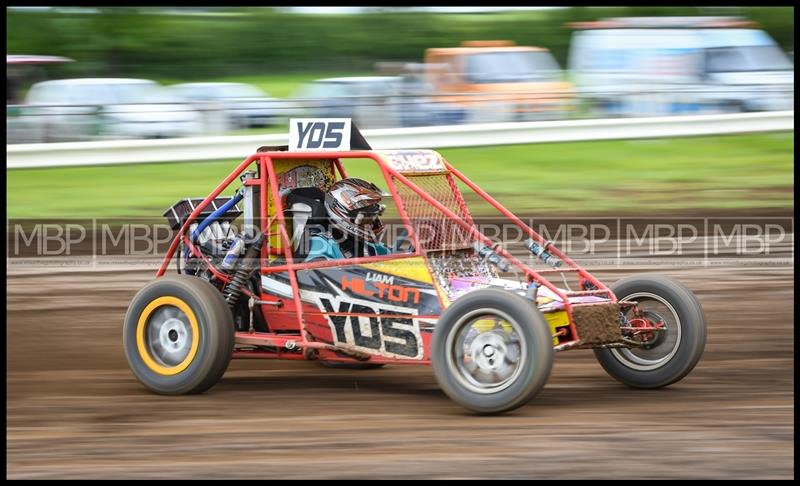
(243, 270)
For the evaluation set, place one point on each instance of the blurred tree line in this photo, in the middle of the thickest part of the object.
(153, 42)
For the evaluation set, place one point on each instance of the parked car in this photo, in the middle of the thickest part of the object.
(110, 108)
(367, 100)
(671, 65)
(243, 105)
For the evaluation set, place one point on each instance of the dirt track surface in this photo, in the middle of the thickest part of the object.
(74, 410)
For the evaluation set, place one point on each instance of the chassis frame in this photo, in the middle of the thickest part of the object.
(300, 344)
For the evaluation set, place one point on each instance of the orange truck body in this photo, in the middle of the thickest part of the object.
(447, 71)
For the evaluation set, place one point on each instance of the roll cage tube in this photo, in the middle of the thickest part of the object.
(533, 234)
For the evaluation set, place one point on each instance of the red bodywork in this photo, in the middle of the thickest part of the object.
(295, 318)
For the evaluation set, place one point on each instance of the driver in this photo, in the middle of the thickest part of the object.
(354, 208)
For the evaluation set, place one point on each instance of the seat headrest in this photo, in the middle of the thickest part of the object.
(309, 216)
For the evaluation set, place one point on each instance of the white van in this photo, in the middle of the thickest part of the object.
(110, 108)
(639, 66)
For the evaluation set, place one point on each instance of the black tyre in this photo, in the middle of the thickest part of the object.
(671, 354)
(492, 351)
(178, 335)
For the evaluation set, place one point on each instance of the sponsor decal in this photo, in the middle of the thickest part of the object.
(380, 328)
(367, 311)
(303, 176)
(378, 277)
(414, 161)
(381, 290)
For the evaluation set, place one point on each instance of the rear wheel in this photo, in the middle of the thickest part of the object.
(492, 351)
(178, 335)
(668, 354)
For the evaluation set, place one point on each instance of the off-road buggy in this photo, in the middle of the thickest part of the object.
(486, 316)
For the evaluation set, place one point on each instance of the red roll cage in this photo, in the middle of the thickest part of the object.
(268, 178)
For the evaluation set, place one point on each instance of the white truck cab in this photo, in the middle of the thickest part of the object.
(639, 66)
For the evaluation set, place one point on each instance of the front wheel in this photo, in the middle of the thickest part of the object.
(178, 335)
(667, 355)
(492, 351)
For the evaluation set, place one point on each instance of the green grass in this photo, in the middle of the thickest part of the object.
(654, 176)
(745, 171)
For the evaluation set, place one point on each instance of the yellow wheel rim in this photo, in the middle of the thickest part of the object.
(142, 342)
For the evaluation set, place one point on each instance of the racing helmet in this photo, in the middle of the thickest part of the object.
(354, 207)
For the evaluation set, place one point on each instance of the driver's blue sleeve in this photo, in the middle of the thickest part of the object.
(321, 247)
(378, 249)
